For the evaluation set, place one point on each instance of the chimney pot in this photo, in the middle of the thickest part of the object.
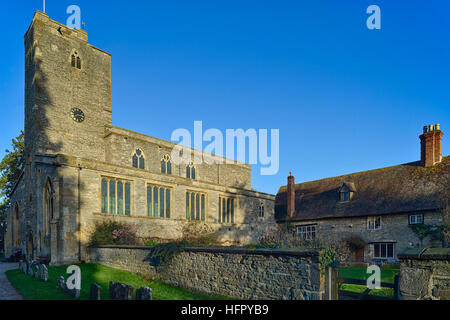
(431, 145)
(291, 196)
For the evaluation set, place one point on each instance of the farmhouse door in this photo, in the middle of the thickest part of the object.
(359, 255)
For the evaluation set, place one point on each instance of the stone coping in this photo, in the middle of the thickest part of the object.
(426, 254)
(233, 250)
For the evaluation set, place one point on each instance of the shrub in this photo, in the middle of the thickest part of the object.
(391, 266)
(113, 233)
(362, 265)
(163, 253)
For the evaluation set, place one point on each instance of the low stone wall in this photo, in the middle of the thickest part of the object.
(266, 274)
(425, 274)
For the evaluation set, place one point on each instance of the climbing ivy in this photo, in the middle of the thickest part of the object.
(163, 253)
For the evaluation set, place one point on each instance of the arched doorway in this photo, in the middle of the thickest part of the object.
(47, 216)
(16, 237)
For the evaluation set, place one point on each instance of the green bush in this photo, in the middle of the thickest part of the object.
(363, 265)
(113, 233)
(163, 253)
(391, 266)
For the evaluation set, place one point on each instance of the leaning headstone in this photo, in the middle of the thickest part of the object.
(96, 292)
(30, 268)
(125, 292)
(44, 273)
(36, 270)
(144, 293)
(61, 283)
(74, 293)
(112, 287)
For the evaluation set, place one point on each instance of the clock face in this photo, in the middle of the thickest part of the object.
(77, 115)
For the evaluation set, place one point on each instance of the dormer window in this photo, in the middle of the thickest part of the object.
(346, 192)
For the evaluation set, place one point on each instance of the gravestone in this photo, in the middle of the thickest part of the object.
(30, 268)
(36, 270)
(44, 273)
(96, 292)
(126, 292)
(62, 283)
(144, 293)
(113, 290)
(21, 265)
(120, 291)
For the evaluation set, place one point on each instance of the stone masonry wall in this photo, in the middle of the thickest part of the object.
(232, 272)
(394, 228)
(425, 274)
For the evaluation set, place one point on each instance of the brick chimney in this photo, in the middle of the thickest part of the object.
(291, 196)
(431, 145)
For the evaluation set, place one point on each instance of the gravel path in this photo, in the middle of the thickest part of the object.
(7, 291)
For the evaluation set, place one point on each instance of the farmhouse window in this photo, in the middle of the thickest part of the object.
(307, 233)
(416, 219)
(374, 223)
(383, 250)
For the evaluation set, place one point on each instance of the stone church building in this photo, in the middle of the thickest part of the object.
(375, 212)
(80, 169)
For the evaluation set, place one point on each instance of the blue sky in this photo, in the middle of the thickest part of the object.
(345, 98)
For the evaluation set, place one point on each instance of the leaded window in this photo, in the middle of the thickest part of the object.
(166, 165)
(138, 159)
(307, 233)
(115, 196)
(158, 202)
(226, 210)
(195, 206)
(374, 223)
(191, 171)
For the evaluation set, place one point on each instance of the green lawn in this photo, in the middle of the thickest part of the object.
(387, 275)
(35, 289)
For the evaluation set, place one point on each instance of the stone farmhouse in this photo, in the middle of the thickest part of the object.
(373, 210)
(80, 169)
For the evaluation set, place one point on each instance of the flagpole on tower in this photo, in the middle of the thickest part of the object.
(44, 6)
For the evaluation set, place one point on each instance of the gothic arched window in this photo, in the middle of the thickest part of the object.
(190, 171)
(16, 225)
(138, 159)
(75, 60)
(48, 208)
(166, 165)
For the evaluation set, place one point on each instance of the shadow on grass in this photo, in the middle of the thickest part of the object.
(35, 289)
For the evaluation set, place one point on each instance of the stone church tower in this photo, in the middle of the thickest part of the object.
(80, 169)
(66, 79)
